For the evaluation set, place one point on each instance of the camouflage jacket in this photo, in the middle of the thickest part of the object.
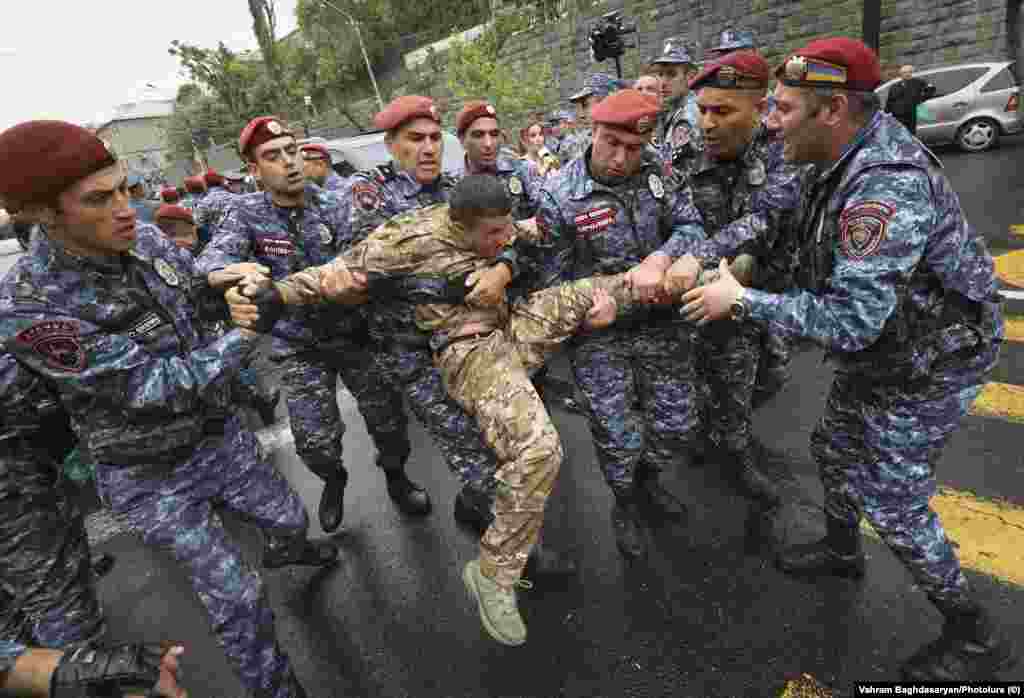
(523, 182)
(286, 240)
(209, 210)
(334, 182)
(119, 340)
(679, 137)
(893, 276)
(575, 144)
(749, 205)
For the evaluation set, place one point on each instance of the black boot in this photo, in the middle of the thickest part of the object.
(332, 501)
(657, 503)
(839, 553)
(751, 482)
(267, 407)
(629, 536)
(281, 551)
(969, 649)
(102, 564)
(410, 498)
(546, 562)
(473, 510)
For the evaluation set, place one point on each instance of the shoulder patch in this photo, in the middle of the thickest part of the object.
(58, 342)
(366, 196)
(863, 227)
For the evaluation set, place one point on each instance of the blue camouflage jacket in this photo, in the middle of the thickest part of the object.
(209, 210)
(287, 240)
(593, 229)
(334, 182)
(119, 340)
(892, 275)
(679, 137)
(523, 182)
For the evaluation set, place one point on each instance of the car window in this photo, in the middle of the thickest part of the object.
(949, 81)
(1003, 80)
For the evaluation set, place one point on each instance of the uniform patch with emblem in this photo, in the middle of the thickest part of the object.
(166, 272)
(863, 227)
(756, 175)
(143, 327)
(366, 196)
(275, 128)
(57, 341)
(656, 185)
(325, 234)
(515, 185)
(275, 247)
(594, 221)
(680, 135)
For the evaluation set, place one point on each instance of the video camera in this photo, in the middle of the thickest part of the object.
(606, 36)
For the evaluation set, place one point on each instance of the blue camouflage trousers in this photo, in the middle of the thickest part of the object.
(454, 432)
(311, 380)
(773, 366)
(877, 446)
(729, 356)
(175, 512)
(654, 366)
(47, 591)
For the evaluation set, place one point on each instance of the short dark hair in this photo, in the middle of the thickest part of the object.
(863, 105)
(479, 196)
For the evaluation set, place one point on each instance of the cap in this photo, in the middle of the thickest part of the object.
(178, 213)
(259, 131)
(169, 194)
(213, 179)
(734, 40)
(674, 51)
(836, 62)
(597, 85)
(134, 179)
(473, 110)
(403, 109)
(195, 185)
(739, 70)
(233, 176)
(627, 109)
(41, 159)
(315, 151)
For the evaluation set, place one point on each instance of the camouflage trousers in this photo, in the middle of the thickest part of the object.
(311, 381)
(175, 512)
(773, 366)
(643, 396)
(729, 357)
(877, 446)
(454, 432)
(489, 377)
(47, 591)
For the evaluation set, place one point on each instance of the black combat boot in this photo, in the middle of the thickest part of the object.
(332, 501)
(281, 551)
(545, 561)
(629, 536)
(969, 649)
(473, 510)
(295, 689)
(410, 498)
(839, 553)
(751, 482)
(656, 502)
(102, 564)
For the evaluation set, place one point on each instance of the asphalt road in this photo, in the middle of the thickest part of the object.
(705, 615)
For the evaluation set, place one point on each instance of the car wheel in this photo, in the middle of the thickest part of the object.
(977, 135)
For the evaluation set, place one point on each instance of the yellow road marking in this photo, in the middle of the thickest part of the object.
(1017, 229)
(1014, 328)
(989, 534)
(1000, 400)
(1010, 268)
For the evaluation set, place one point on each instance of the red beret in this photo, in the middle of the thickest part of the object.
(169, 194)
(317, 148)
(405, 109)
(213, 179)
(195, 185)
(472, 111)
(178, 213)
(627, 109)
(837, 62)
(739, 70)
(41, 159)
(259, 131)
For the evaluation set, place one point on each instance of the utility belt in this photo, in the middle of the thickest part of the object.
(179, 441)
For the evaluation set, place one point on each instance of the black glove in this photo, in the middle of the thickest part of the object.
(271, 306)
(107, 671)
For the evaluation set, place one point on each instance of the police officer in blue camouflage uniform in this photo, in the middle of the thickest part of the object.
(593, 89)
(731, 40)
(209, 209)
(110, 320)
(901, 291)
(195, 190)
(747, 195)
(290, 225)
(678, 130)
(609, 212)
(137, 189)
(316, 164)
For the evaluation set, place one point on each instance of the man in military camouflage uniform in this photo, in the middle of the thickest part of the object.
(901, 291)
(678, 131)
(291, 225)
(485, 350)
(594, 88)
(748, 196)
(610, 212)
(316, 164)
(109, 321)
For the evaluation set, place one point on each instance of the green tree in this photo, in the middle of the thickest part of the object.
(264, 26)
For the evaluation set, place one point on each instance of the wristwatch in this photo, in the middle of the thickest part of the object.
(738, 311)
